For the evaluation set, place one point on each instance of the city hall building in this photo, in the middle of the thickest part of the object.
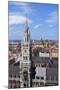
(27, 70)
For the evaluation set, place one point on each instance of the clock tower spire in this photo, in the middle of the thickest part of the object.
(26, 62)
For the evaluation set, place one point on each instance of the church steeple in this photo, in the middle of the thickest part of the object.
(26, 62)
(26, 32)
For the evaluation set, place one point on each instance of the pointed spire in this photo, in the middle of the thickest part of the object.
(26, 24)
(26, 33)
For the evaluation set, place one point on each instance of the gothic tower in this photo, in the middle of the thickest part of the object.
(26, 62)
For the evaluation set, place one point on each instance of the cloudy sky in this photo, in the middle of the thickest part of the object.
(42, 20)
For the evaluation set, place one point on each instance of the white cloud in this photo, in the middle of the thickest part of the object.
(18, 19)
(37, 26)
(53, 18)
